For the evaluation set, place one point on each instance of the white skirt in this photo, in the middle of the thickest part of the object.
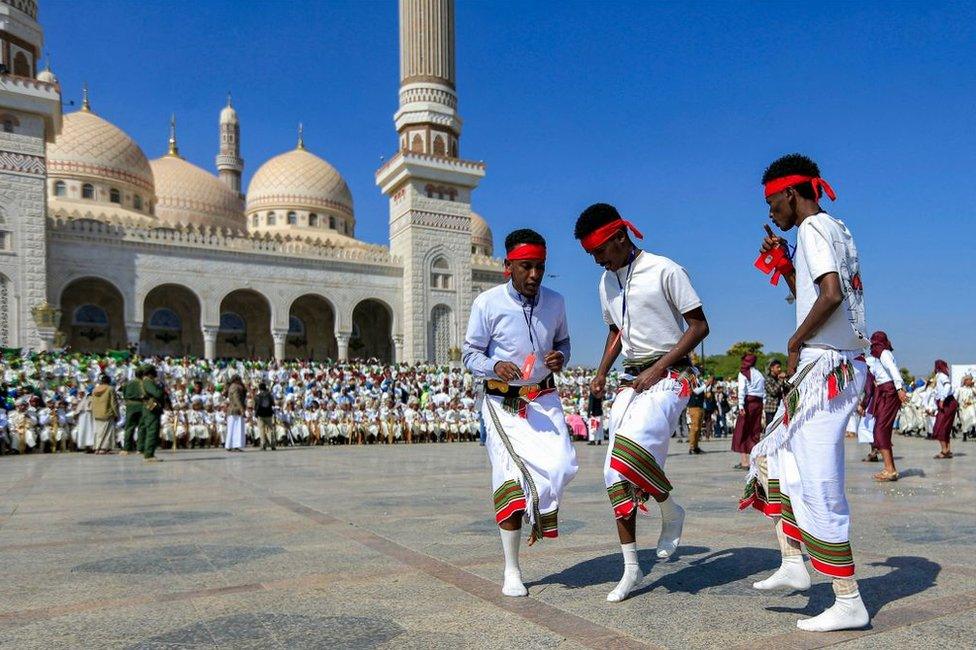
(235, 432)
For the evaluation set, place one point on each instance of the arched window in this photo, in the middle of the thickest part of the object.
(313, 220)
(440, 274)
(22, 66)
(90, 315)
(292, 219)
(165, 319)
(8, 126)
(295, 326)
(115, 196)
(137, 202)
(271, 218)
(332, 222)
(254, 221)
(60, 189)
(88, 191)
(417, 144)
(439, 148)
(231, 323)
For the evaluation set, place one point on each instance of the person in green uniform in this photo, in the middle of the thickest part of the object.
(133, 394)
(152, 410)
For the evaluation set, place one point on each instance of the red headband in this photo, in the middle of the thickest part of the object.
(600, 236)
(820, 186)
(527, 252)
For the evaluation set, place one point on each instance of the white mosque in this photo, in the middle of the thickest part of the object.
(102, 248)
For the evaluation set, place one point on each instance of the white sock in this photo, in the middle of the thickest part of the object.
(632, 574)
(513, 574)
(791, 574)
(847, 613)
(672, 523)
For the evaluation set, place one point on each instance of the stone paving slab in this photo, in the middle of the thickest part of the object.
(385, 547)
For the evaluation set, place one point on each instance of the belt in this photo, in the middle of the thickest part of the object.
(515, 399)
(528, 391)
(638, 366)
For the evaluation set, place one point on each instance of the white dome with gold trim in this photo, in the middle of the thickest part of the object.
(188, 194)
(91, 147)
(302, 180)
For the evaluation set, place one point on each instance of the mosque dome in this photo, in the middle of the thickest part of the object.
(188, 194)
(297, 193)
(298, 179)
(482, 241)
(89, 146)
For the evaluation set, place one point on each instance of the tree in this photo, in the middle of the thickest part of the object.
(745, 347)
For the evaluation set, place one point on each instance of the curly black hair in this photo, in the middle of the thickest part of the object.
(790, 164)
(598, 214)
(523, 236)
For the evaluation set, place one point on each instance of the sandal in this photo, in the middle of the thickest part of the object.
(871, 458)
(885, 477)
(943, 454)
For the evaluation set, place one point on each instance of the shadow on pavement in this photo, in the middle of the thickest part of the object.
(606, 568)
(717, 569)
(910, 575)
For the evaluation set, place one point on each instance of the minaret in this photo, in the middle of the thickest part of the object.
(427, 120)
(229, 161)
(429, 188)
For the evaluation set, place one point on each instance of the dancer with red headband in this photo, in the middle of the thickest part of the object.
(883, 399)
(655, 318)
(517, 338)
(947, 405)
(796, 473)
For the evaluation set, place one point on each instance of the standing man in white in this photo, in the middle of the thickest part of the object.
(801, 482)
(517, 338)
(656, 319)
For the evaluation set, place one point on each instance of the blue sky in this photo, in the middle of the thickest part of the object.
(668, 110)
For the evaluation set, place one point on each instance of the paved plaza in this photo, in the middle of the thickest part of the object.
(359, 547)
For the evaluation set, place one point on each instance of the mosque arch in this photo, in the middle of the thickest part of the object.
(440, 334)
(316, 338)
(171, 322)
(22, 67)
(372, 331)
(92, 315)
(253, 315)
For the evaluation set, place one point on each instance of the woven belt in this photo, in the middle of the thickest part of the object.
(503, 389)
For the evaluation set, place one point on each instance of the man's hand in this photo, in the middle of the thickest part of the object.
(554, 360)
(771, 241)
(598, 386)
(860, 410)
(902, 395)
(508, 371)
(648, 378)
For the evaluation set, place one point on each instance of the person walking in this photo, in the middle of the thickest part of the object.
(133, 395)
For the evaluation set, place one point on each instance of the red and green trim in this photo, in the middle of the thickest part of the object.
(548, 521)
(638, 466)
(624, 499)
(834, 559)
(509, 499)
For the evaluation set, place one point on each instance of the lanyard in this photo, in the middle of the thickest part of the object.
(626, 285)
(528, 317)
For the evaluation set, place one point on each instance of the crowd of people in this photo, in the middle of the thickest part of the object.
(62, 402)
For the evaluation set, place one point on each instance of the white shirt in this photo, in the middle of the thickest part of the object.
(885, 369)
(499, 327)
(825, 245)
(943, 387)
(752, 386)
(658, 292)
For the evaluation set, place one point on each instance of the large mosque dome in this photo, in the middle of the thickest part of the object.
(298, 192)
(96, 169)
(482, 242)
(188, 194)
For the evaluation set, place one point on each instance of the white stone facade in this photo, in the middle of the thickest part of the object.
(181, 269)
